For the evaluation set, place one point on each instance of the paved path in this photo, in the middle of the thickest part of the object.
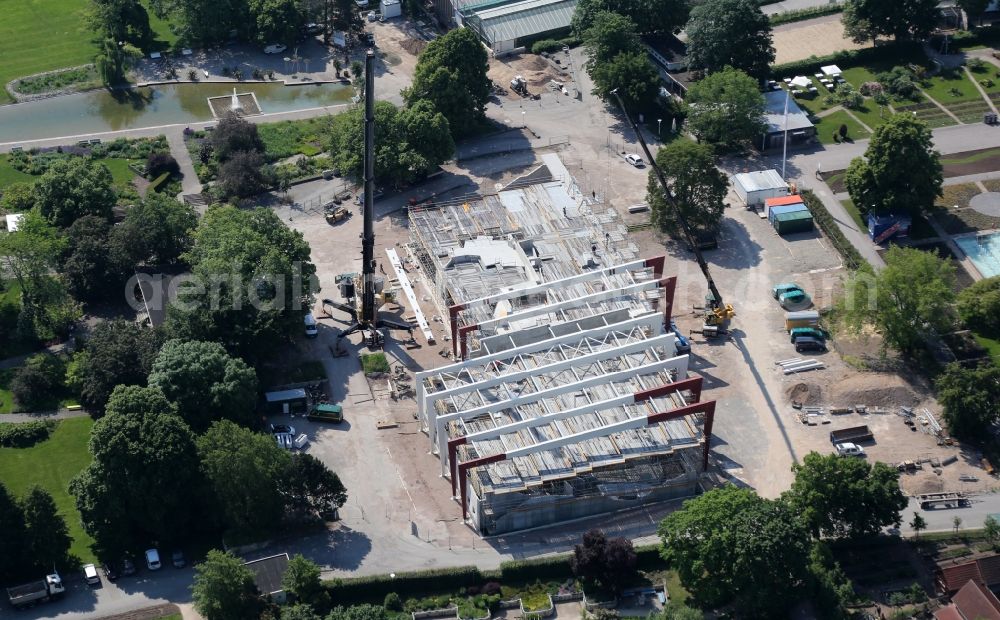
(189, 182)
(62, 414)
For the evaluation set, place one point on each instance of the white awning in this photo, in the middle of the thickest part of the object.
(801, 81)
(830, 70)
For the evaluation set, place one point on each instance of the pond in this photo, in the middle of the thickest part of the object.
(167, 104)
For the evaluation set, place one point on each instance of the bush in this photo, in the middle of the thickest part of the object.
(392, 602)
(373, 589)
(798, 15)
(545, 45)
(159, 182)
(979, 306)
(374, 363)
(25, 434)
(160, 163)
(34, 383)
(556, 567)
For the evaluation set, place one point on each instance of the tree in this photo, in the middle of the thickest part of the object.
(677, 611)
(243, 174)
(72, 188)
(649, 15)
(205, 383)
(144, 483)
(251, 282)
(89, 268)
(299, 611)
(864, 20)
(970, 398)
(245, 471)
(135, 400)
(900, 172)
(311, 486)
(979, 306)
(13, 551)
(302, 578)
(974, 9)
(611, 34)
(451, 74)
(121, 20)
(46, 535)
(611, 563)
(730, 545)
(730, 33)
(117, 352)
(831, 590)
(919, 524)
(991, 530)
(697, 186)
(845, 497)
(410, 142)
(113, 60)
(278, 21)
(155, 231)
(224, 588)
(633, 75)
(34, 383)
(726, 109)
(956, 522)
(911, 295)
(234, 134)
(159, 162)
(206, 21)
(17, 198)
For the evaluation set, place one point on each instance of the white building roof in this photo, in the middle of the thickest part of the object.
(774, 113)
(524, 19)
(760, 180)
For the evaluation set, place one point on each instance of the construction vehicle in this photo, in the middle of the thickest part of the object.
(40, 591)
(337, 214)
(716, 313)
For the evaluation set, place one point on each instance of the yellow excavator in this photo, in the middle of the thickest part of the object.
(716, 312)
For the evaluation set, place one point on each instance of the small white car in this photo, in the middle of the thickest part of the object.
(153, 559)
(635, 160)
(849, 449)
(275, 48)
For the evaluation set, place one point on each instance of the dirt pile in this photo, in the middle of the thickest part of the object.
(413, 46)
(804, 394)
(873, 389)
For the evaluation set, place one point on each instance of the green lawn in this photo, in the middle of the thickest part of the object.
(42, 35)
(832, 122)
(118, 167)
(991, 345)
(52, 464)
(852, 210)
(951, 89)
(6, 396)
(8, 174)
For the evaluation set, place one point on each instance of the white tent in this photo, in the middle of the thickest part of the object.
(801, 81)
(830, 70)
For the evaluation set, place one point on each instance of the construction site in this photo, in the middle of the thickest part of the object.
(569, 398)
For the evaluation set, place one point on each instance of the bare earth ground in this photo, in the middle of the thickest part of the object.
(819, 37)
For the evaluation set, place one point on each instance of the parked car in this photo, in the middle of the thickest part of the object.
(153, 559)
(807, 332)
(809, 344)
(635, 160)
(311, 329)
(90, 574)
(794, 300)
(849, 449)
(275, 48)
(282, 429)
(110, 572)
(314, 28)
(177, 558)
(128, 567)
(785, 287)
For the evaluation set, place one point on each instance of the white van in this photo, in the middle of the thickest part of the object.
(849, 449)
(90, 574)
(310, 323)
(153, 559)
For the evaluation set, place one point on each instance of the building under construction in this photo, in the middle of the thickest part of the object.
(569, 398)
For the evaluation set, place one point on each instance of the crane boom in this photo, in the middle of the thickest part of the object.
(716, 301)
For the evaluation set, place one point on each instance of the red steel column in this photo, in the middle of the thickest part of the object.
(668, 285)
(692, 383)
(656, 263)
(453, 314)
(709, 419)
(463, 472)
(462, 331)
(453, 445)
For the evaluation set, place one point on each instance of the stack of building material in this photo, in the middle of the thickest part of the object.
(798, 364)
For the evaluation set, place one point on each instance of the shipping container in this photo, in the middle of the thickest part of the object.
(795, 222)
(774, 212)
(802, 318)
(754, 188)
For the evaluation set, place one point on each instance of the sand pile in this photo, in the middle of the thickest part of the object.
(873, 389)
(804, 394)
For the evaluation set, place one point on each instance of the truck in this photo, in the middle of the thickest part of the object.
(854, 434)
(325, 412)
(40, 591)
(802, 318)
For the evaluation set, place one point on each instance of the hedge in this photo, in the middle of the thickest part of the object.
(552, 567)
(649, 557)
(25, 434)
(158, 182)
(374, 588)
(803, 14)
(898, 53)
(829, 227)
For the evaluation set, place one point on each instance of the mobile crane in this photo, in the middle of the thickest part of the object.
(717, 312)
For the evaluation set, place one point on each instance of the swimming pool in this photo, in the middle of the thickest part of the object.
(984, 252)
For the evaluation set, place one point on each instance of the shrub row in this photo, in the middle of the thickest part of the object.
(25, 434)
(553, 45)
(829, 227)
(898, 53)
(799, 15)
(552, 567)
(373, 589)
(649, 557)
